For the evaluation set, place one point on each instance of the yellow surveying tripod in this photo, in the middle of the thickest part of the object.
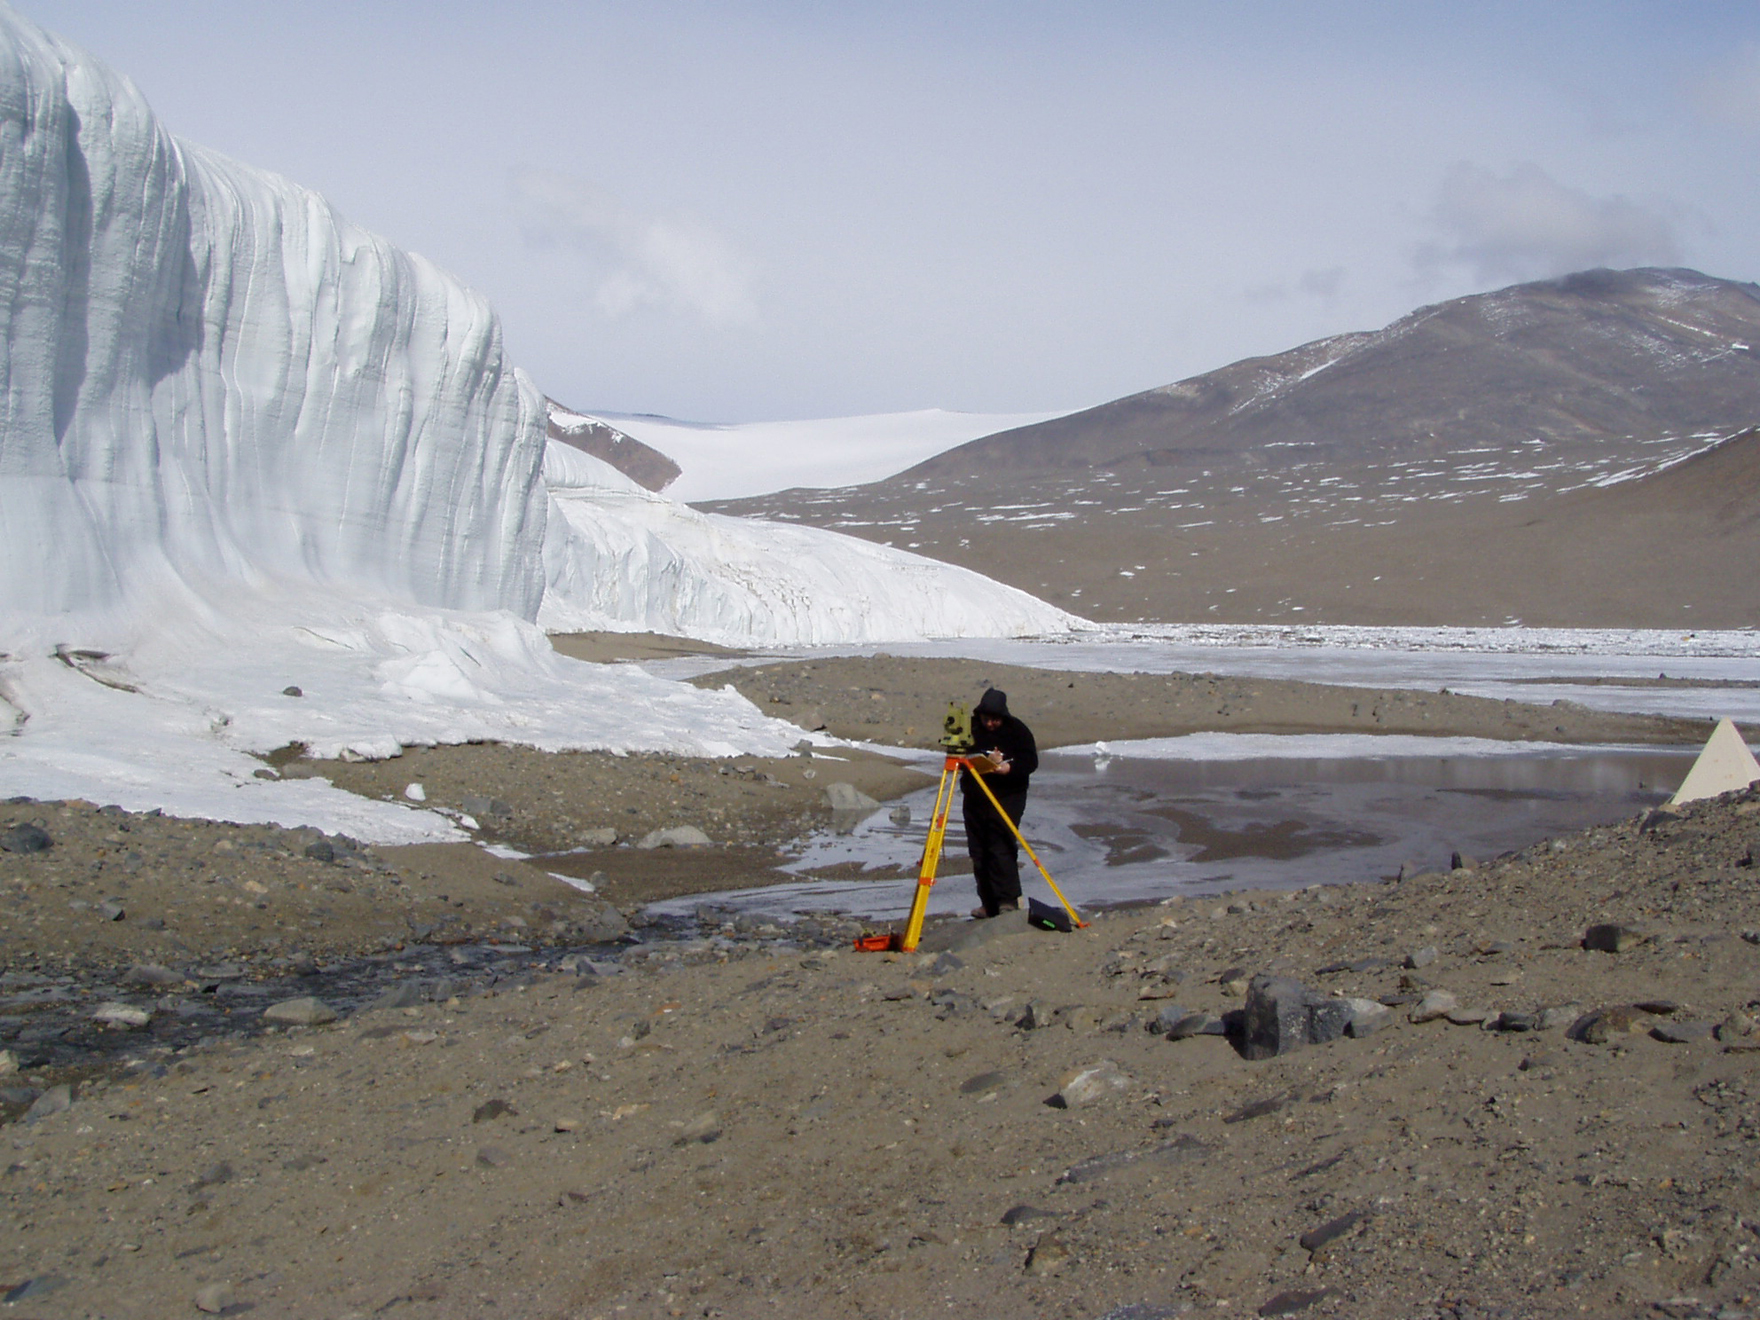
(958, 743)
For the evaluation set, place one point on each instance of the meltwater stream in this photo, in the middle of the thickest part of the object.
(1141, 822)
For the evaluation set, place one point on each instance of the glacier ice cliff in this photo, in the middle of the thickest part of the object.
(215, 381)
(266, 478)
(212, 375)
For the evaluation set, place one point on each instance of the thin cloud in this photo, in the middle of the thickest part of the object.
(1526, 225)
(665, 261)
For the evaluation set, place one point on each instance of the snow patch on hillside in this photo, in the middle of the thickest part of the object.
(735, 460)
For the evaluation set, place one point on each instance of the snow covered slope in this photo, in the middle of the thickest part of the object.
(266, 478)
(734, 460)
(619, 557)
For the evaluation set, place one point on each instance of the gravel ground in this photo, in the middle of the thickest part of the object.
(526, 1108)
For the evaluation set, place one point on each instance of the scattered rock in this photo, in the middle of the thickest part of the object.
(704, 1128)
(291, 691)
(1612, 938)
(847, 797)
(1294, 1300)
(1607, 1024)
(493, 1157)
(1559, 1015)
(1047, 1254)
(1282, 1014)
(492, 1109)
(151, 974)
(1333, 1229)
(1366, 1017)
(56, 1100)
(1087, 1085)
(1467, 1017)
(1681, 1033)
(303, 1012)
(1436, 1004)
(26, 838)
(1422, 957)
(123, 1016)
(485, 808)
(675, 836)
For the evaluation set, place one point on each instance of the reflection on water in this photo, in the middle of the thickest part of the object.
(1126, 828)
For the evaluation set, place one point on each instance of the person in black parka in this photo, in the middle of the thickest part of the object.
(989, 840)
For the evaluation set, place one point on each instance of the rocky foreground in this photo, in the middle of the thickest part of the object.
(1556, 1114)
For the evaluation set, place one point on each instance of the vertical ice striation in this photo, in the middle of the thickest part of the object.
(215, 384)
(211, 376)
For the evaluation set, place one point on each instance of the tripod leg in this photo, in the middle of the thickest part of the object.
(1021, 839)
(913, 930)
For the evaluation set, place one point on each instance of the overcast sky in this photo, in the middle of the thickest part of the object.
(742, 211)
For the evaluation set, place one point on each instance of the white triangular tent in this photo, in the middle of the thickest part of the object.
(1726, 764)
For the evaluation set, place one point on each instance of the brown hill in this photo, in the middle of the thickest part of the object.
(1549, 453)
(641, 463)
(1602, 355)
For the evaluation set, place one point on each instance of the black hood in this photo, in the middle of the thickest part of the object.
(993, 702)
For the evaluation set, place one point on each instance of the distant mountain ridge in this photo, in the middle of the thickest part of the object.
(1599, 355)
(1547, 453)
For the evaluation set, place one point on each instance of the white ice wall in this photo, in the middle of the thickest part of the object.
(620, 557)
(211, 375)
(213, 382)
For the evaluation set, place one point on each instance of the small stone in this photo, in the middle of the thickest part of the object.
(122, 1016)
(303, 1012)
(492, 1109)
(1660, 1007)
(1170, 1016)
(493, 1157)
(1234, 982)
(1735, 1027)
(1436, 1004)
(1467, 1017)
(676, 836)
(56, 1100)
(26, 838)
(213, 1176)
(1607, 1024)
(1086, 1086)
(475, 804)
(1513, 1021)
(1681, 1033)
(291, 691)
(900, 816)
(1292, 1301)
(1366, 1017)
(1332, 1230)
(847, 797)
(151, 974)
(704, 1128)
(321, 850)
(1461, 861)
(1558, 1015)
(111, 909)
(8, 1063)
(1422, 957)
(213, 1298)
(1612, 938)
(1047, 1254)
(1197, 1024)
(415, 792)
